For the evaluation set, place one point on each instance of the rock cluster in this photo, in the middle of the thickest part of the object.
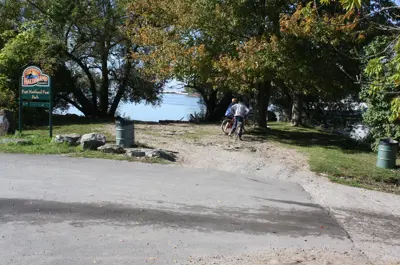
(95, 141)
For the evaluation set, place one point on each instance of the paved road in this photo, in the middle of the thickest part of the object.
(59, 210)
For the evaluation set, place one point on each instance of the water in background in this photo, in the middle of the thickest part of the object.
(173, 107)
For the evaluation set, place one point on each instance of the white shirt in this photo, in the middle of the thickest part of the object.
(240, 110)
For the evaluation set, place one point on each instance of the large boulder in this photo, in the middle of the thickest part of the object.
(92, 141)
(111, 149)
(70, 139)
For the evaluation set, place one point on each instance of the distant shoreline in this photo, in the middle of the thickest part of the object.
(182, 93)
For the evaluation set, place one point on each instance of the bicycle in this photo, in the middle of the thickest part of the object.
(227, 124)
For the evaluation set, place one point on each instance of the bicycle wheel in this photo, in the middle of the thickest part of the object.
(225, 125)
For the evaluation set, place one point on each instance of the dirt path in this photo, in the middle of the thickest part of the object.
(371, 219)
(206, 146)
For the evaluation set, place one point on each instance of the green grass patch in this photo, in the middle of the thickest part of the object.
(42, 144)
(344, 160)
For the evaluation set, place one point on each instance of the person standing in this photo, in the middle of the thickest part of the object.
(240, 111)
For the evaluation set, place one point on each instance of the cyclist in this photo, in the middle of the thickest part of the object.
(240, 111)
(229, 113)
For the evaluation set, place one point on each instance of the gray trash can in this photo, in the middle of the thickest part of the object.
(124, 132)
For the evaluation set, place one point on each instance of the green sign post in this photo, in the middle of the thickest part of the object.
(35, 92)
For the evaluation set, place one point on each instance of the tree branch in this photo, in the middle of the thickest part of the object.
(123, 85)
(357, 80)
(73, 103)
(89, 76)
(67, 34)
(37, 7)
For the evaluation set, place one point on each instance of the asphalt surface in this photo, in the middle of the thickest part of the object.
(59, 210)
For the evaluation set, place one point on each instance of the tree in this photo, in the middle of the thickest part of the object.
(304, 50)
(209, 44)
(82, 45)
(379, 89)
(380, 78)
(382, 71)
(9, 16)
(312, 51)
(179, 46)
(241, 45)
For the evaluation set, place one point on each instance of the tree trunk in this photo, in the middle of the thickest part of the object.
(221, 106)
(211, 103)
(215, 109)
(92, 82)
(262, 103)
(121, 89)
(86, 107)
(103, 93)
(288, 113)
(297, 110)
(78, 99)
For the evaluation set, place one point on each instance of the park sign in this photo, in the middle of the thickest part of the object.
(35, 84)
(35, 92)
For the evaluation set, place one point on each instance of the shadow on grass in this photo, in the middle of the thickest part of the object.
(307, 137)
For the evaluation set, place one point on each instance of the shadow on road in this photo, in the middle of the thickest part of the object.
(295, 223)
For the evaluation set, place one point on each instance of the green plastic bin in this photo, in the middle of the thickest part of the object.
(125, 133)
(387, 153)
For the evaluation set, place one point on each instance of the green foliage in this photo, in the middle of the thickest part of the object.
(395, 107)
(351, 4)
(80, 44)
(256, 48)
(381, 71)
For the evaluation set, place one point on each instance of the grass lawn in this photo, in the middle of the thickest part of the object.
(341, 159)
(42, 144)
